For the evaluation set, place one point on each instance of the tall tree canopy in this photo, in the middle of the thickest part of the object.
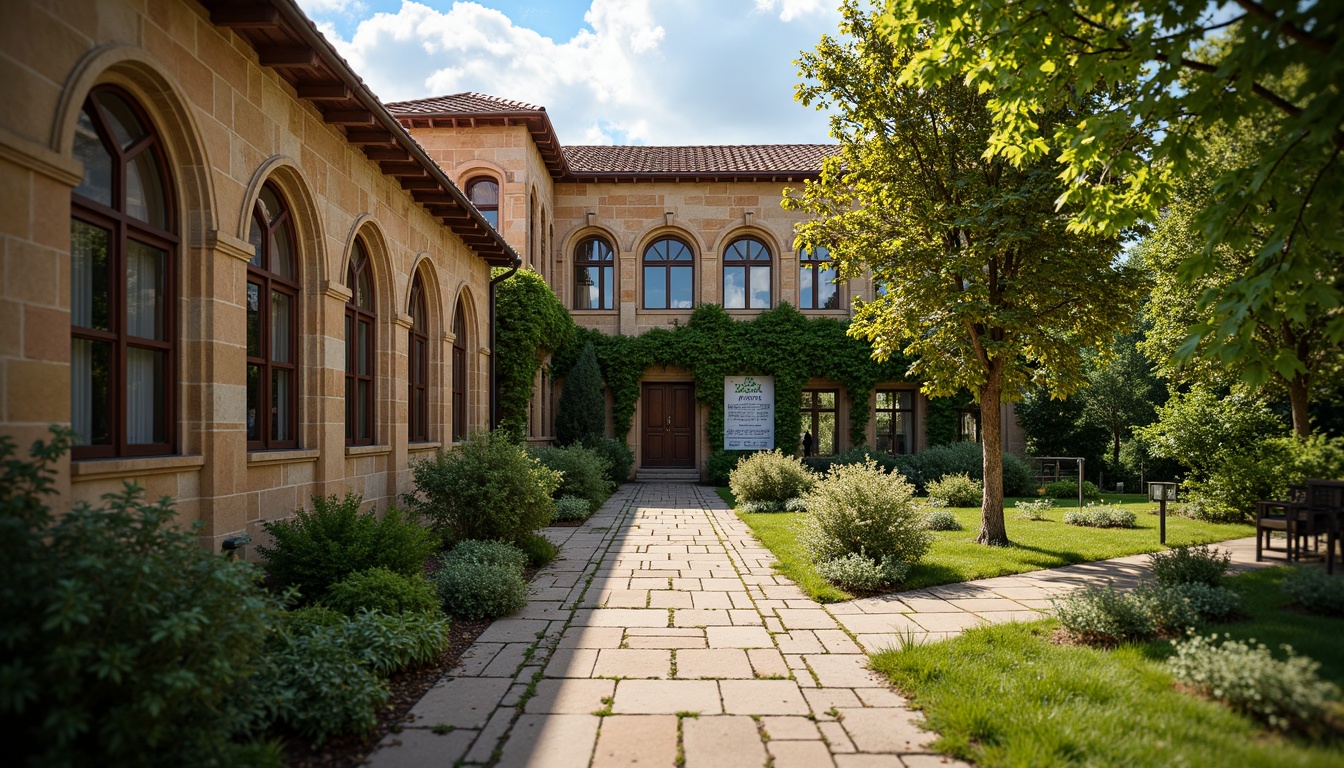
(987, 286)
(1190, 67)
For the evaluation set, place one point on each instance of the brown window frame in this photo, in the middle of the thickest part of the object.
(123, 228)
(739, 255)
(666, 266)
(606, 285)
(354, 316)
(878, 409)
(809, 263)
(490, 210)
(460, 372)
(268, 280)
(812, 417)
(417, 403)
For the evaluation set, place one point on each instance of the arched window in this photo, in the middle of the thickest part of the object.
(272, 327)
(746, 274)
(459, 374)
(816, 288)
(484, 194)
(123, 278)
(360, 321)
(418, 400)
(669, 275)
(594, 275)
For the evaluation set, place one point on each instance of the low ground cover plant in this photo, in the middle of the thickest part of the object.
(1104, 615)
(770, 476)
(539, 550)
(1190, 564)
(957, 490)
(937, 519)
(571, 509)
(857, 572)
(583, 473)
(482, 579)
(318, 547)
(1101, 516)
(486, 487)
(1283, 692)
(379, 589)
(1312, 590)
(1034, 510)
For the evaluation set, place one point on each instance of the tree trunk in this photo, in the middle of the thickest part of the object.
(992, 530)
(1115, 451)
(1298, 389)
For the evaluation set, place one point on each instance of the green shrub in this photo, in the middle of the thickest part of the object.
(486, 487)
(1019, 479)
(1101, 516)
(480, 590)
(1068, 489)
(1208, 510)
(121, 638)
(1169, 609)
(721, 464)
(1190, 564)
(539, 550)
(941, 520)
(956, 491)
(488, 552)
(1283, 693)
(378, 589)
(387, 643)
(1211, 603)
(620, 459)
(856, 455)
(315, 549)
(310, 617)
(860, 509)
(569, 509)
(583, 405)
(1034, 510)
(769, 476)
(1102, 615)
(1315, 591)
(796, 505)
(757, 507)
(939, 461)
(859, 573)
(583, 473)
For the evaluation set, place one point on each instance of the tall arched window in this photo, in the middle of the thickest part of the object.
(459, 374)
(123, 277)
(272, 327)
(418, 400)
(484, 194)
(360, 322)
(594, 275)
(669, 275)
(746, 274)
(815, 274)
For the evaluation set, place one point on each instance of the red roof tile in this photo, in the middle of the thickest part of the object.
(744, 159)
(460, 102)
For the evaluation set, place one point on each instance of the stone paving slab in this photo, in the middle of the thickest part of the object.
(662, 627)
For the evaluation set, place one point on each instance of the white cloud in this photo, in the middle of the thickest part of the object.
(792, 9)
(642, 71)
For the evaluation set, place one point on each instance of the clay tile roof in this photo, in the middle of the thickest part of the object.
(747, 159)
(473, 103)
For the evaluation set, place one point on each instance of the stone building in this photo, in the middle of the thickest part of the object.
(241, 281)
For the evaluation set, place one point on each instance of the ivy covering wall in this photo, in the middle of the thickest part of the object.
(529, 322)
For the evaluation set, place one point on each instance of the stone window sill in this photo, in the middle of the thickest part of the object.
(432, 445)
(138, 466)
(367, 450)
(283, 457)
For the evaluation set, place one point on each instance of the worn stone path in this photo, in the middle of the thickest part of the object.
(662, 634)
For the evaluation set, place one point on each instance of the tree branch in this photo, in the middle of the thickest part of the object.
(1292, 30)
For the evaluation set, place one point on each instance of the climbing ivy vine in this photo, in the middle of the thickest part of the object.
(529, 322)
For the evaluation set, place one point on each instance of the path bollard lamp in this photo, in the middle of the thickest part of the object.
(1162, 493)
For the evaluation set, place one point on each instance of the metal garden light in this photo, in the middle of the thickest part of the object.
(1162, 493)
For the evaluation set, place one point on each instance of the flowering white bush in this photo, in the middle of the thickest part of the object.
(858, 508)
(940, 520)
(958, 490)
(1034, 510)
(1101, 516)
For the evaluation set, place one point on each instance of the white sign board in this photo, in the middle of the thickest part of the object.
(749, 413)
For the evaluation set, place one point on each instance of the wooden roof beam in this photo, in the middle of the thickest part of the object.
(287, 56)
(246, 17)
(316, 91)
(353, 117)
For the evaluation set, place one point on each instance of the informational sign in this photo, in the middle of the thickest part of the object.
(749, 413)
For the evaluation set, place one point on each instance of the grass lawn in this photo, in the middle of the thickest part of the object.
(955, 557)
(1007, 695)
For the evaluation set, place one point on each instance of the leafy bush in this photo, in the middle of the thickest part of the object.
(1019, 479)
(583, 473)
(482, 579)
(315, 549)
(1211, 603)
(378, 589)
(539, 550)
(796, 505)
(939, 461)
(620, 459)
(1034, 510)
(1102, 615)
(1283, 693)
(721, 464)
(1068, 489)
(121, 637)
(860, 509)
(1205, 509)
(856, 455)
(769, 476)
(1169, 609)
(941, 520)
(756, 507)
(1101, 516)
(569, 509)
(957, 490)
(310, 617)
(1315, 591)
(583, 405)
(387, 643)
(1188, 564)
(859, 573)
(486, 487)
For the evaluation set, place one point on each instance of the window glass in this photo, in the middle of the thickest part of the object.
(484, 194)
(144, 191)
(121, 119)
(816, 275)
(89, 150)
(894, 415)
(593, 275)
(90, 281)
(746, 274)
(272, 348)
(820, 419)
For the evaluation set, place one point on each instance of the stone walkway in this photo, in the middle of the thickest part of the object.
(662, 636)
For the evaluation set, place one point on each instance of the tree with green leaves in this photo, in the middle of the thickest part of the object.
(1188, 69)
(988, 287)
(1122, 393)
(583, 406)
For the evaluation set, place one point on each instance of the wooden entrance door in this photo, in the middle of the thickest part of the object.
(669, 425)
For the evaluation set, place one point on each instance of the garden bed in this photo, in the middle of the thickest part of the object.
(1010, 695)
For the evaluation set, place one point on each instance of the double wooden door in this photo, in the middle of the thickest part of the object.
(669, 424)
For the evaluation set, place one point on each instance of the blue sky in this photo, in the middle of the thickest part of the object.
(607, 71)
